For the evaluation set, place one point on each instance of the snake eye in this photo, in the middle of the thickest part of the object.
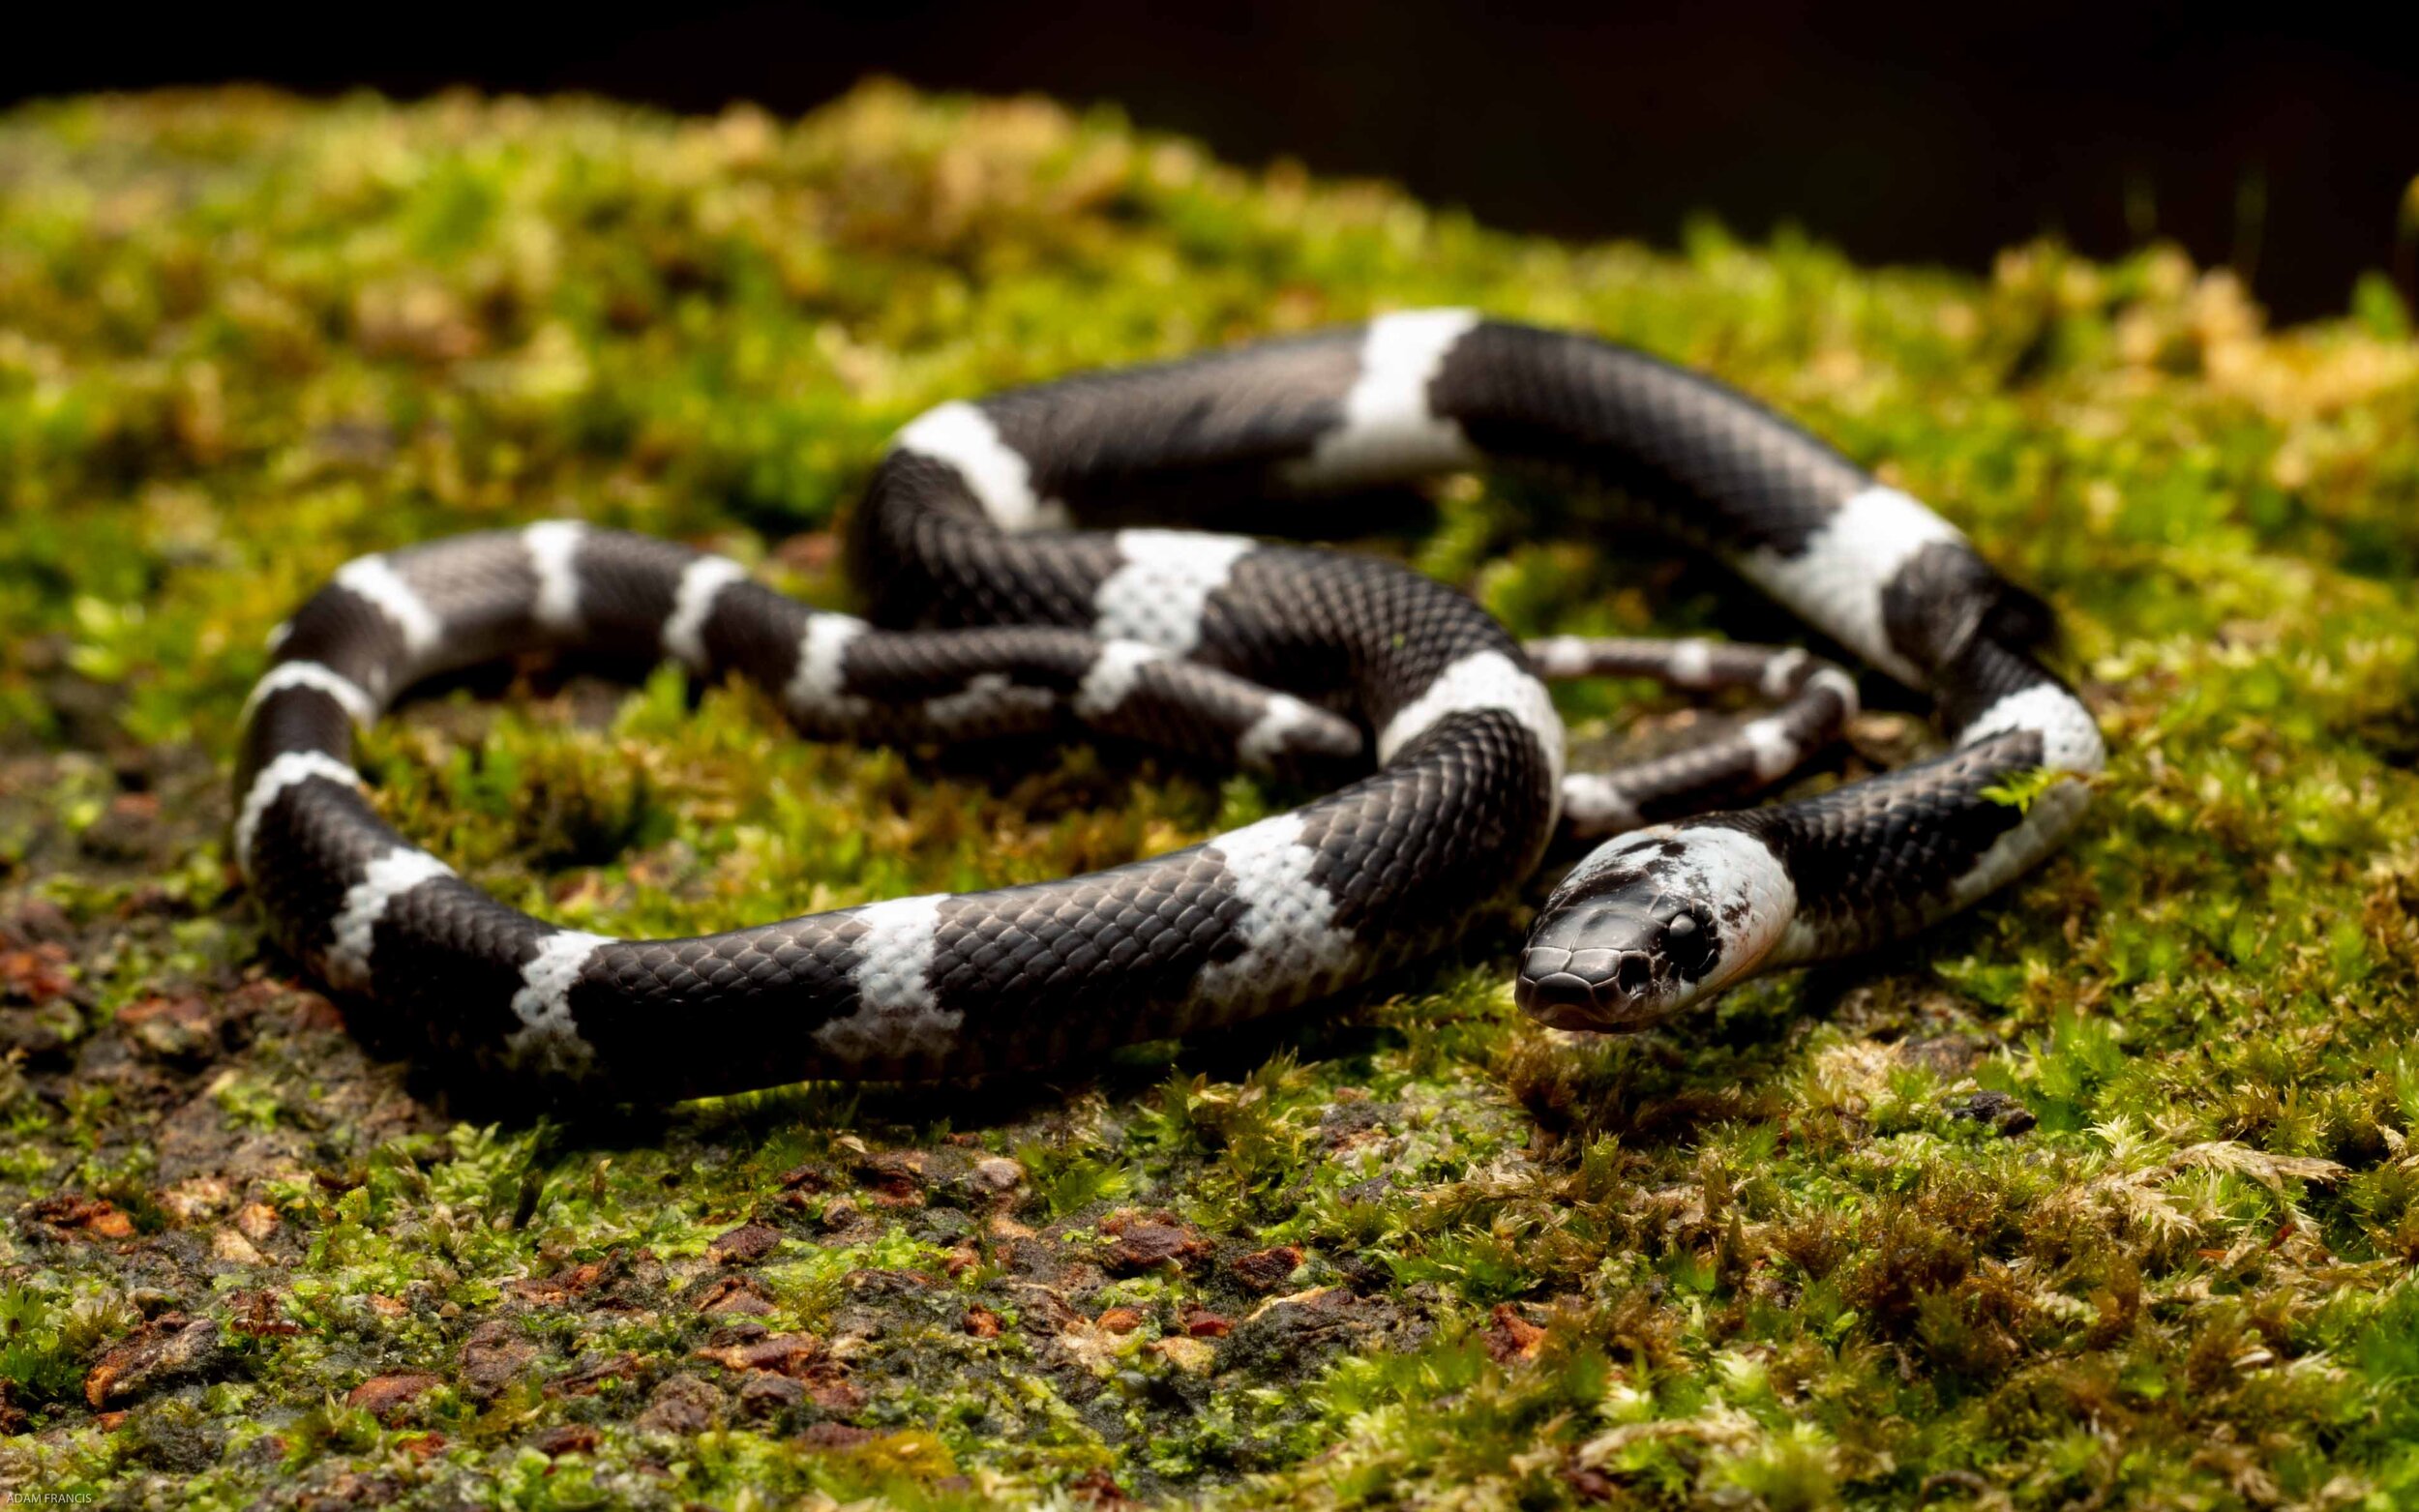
(1688, 944)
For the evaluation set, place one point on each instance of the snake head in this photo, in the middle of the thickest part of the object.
(1654, 922)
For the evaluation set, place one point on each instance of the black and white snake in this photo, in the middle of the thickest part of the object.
(1007, 619)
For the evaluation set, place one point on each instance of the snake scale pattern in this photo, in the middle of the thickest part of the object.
(989, 613)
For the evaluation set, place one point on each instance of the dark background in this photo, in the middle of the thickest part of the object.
(1902, 134)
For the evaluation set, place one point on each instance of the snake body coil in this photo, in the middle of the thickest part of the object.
(1009, 620)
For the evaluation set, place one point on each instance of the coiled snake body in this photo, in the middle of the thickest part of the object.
(990, 615)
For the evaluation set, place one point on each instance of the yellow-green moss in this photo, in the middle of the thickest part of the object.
(1407, 1251)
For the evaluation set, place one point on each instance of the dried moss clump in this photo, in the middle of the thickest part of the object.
(2100, 1196)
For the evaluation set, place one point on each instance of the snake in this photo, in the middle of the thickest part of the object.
(1048, 560)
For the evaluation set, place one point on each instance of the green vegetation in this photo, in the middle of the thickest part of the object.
(2100, 1196)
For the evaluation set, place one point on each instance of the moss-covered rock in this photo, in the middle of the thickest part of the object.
(2100, 1195)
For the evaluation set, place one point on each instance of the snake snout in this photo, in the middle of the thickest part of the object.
(1599, 967)
(1587, 988)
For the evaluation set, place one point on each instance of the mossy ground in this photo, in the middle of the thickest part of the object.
(1407, 1250)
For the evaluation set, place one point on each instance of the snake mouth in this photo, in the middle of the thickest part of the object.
(1599, 990)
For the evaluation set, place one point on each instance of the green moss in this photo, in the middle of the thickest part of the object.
(1409, 1249)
